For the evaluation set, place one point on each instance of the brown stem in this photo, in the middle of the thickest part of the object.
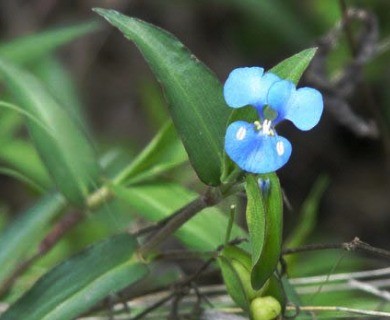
(179, 218)
(354, 245)
(347, 27)
(59, 230)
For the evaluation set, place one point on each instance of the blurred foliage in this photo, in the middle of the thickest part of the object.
(109, 95)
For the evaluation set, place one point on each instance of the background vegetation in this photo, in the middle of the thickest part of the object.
(336, 183)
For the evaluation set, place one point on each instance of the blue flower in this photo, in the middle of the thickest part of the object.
(256, 147)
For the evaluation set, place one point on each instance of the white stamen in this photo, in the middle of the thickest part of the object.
(267, 127)
(280, 148)
(241, 133)
(257, 125)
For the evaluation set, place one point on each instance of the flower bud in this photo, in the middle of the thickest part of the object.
(265, 308)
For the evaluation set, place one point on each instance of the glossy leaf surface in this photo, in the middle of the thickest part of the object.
(235, 265)
(193, 92)
(265, 220)
(234, 285)
(293, 68)
(77, 284)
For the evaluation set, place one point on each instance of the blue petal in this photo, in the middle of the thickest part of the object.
(248, 86)
(253, 151)
(303, 107)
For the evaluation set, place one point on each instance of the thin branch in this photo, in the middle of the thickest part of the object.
(52, 238)
(176, 255)
(154, 306)
(159, 224)
(355, 245)
(65, 224)
(366, 90)
(180, 217)
(340, 309)
(337, 92)
(59, 230)
(177, 289)
(347, 28)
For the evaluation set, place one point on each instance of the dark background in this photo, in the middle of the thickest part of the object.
(113, 80)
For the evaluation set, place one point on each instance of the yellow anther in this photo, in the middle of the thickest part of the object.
(257, 125)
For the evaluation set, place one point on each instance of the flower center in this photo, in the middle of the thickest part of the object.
(265, 127)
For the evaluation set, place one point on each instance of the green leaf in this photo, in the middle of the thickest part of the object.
(236, 266)
(23, 234)
(234, 285)
(193, 92)
(22, 178)
(163, 153)
(10, 122)
(255, 217)
(21, 157)
(79, 283)
(308, 215)
(61, 86)
(32, 47)
(206, 231)
(63, 147)
(292, 68)
(265, 220)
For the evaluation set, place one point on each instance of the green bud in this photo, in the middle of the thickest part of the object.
(236, 267)
(265, 308)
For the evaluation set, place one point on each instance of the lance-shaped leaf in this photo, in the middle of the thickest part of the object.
(61, 86)
(32, 47)
(233, 282)
(193, 92)
(63, 147)
(21, 156)
(235, 265)
(265, 218)
(10, 122)
(21, 236)
(163, 153)
(293, 68)
(79, 283)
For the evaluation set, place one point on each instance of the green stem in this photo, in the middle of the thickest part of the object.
(230, 223)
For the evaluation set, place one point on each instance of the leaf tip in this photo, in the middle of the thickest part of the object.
(99, 10)
(105, 13)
